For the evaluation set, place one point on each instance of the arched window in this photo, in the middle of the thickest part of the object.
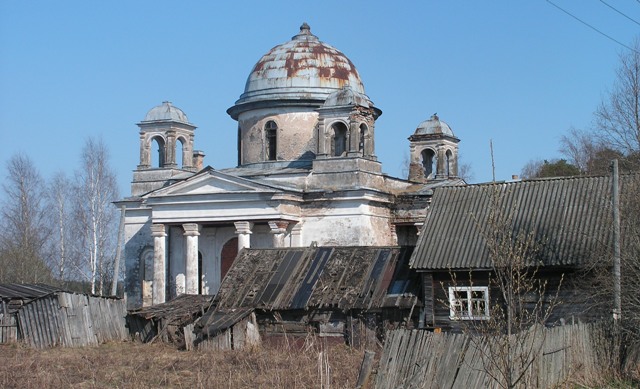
(363, 135)
(339, 145)
(429, 163)
(146, 276)
(271, 140)
(180, 154)
(158, 143)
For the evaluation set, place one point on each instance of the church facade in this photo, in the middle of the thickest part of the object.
(307, 174)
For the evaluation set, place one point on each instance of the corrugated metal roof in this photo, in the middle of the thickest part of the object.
(26, 291)
(568, 218)
(314, 278)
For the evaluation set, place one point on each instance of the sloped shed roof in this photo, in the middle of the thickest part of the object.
(569, 219)
(26, 291)
(314, 277)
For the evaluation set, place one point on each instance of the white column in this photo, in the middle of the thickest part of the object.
(296, 235)
(394, 235)
(159, 263)
(278, 229)
(191, 233)
(243, 229)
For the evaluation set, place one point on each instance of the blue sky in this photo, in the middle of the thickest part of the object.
(520, 73)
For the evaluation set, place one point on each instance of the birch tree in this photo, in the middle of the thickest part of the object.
(24, 225)
(61, 244)
(96, 190)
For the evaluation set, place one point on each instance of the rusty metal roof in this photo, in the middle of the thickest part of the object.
(303, 68)
(568, 219)
(26, 291)
(303, 278)
(309, 278)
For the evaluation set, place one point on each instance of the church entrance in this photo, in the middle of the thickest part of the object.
(228, 255)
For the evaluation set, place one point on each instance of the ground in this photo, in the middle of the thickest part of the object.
(134, 365)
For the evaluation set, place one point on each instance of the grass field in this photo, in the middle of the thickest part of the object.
(134, 365)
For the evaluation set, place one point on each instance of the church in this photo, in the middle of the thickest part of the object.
(307, 175)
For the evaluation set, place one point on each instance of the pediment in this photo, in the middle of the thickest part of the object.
(213, 182)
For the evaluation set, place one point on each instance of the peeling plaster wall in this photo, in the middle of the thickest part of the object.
(347, 224)
(137, 238)
(296, 136)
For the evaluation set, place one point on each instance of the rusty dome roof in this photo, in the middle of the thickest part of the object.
(303, 68)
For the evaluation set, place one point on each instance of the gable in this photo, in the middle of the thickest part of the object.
(213, 182)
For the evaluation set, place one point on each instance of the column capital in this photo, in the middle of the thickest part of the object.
(278, 226)
(191, 229)
(157, 231)
(243, 227)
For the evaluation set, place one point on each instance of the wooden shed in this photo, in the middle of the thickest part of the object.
(351, 294)
(45, 316)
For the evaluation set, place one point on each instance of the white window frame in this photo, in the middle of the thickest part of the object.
(466, 303)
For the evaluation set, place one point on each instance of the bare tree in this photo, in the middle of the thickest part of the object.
(24, 225)
(62, 246)
(618, 117)
(96, 189)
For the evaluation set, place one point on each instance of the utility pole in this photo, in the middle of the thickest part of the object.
(617, 305)
(615, 198)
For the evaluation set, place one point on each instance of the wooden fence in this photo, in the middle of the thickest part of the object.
(423, 359)
(72, 320)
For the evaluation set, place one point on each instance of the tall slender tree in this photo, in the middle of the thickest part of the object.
(61, 243)
(24, 225)
(95, 213)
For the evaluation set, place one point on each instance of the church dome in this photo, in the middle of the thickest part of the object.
(166, 111)
(303, 69)
(434, 126)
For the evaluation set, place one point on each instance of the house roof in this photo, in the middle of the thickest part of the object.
(313, 278)
(567, 218)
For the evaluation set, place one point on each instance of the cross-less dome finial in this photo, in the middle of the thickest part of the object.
(305, 29)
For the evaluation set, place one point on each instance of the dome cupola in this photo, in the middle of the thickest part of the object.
(434, 126)
(303, 69)
(166, 112)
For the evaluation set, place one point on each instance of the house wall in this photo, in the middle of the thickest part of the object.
(571, 305)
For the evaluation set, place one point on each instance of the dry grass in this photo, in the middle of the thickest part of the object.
(133, 365)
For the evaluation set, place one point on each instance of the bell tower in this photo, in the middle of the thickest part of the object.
(166, 148)
(434, 151)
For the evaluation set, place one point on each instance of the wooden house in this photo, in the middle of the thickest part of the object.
(564, 224)
(350, 294)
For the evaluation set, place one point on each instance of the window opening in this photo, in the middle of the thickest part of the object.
(180, 153)
(469, 303)
(339, 139)
(429, 162)
(363, 134)
(448, 156)
(158, 143)
(271, 135)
